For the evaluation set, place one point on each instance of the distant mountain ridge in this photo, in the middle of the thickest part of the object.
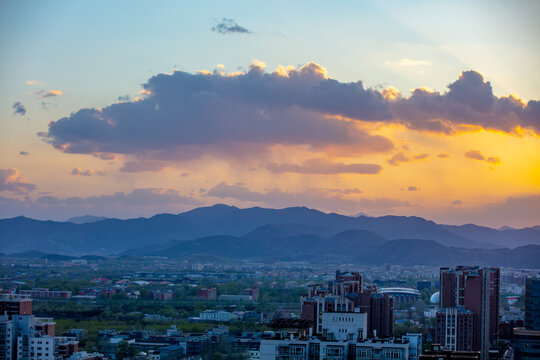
(85, 219)
(505, 237)
(229, 223)
(351, 246)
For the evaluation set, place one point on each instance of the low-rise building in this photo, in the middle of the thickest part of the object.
(11, 304)
(163, 295)
(289, 346)
(209, 293)
(36, 348)
(43, 293)
(67, 346)
(79, 334)
(216, 315)
(235, 298)
(253, 292)
(83, 355)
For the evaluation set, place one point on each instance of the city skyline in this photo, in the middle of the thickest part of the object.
(406, 109)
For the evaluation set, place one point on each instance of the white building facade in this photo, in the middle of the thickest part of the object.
(344, 325)
(216, 315)
(19, 339)
(290, 347)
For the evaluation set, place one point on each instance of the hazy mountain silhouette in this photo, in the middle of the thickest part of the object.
(271, 242)
(504, 237)
(85, 219)
(352, 246)
(272, 227)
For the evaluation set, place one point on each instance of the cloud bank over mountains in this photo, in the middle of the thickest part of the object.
(288, 137)
(138, 202)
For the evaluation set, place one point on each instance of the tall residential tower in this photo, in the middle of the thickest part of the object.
(469, 309)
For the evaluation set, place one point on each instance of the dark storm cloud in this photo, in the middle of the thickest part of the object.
(18, 108)
(468, 101)
(319, 166)
(229, 26)
(24, 153)
(186, 115)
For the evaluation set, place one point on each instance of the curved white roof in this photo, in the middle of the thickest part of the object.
(399, 291)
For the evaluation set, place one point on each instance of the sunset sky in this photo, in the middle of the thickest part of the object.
(132, 108)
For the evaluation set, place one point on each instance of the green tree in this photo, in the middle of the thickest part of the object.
(124, 350)
(217, 356)
(426, 295)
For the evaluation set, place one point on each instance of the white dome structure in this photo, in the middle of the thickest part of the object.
(435, 298)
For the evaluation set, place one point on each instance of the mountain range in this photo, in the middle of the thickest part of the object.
(295, 233)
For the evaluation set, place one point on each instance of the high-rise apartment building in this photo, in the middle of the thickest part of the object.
(469, 309)
(527, 339)
(347, 294)
(15, 304)
(26, 337)
(532, 304)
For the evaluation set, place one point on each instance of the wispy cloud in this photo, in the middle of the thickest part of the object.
(138, 202)
(229, 26)
(18, 108)
(10, 180)
(48, 93)
(143, 166)
(516, 211)
(477, 155)
(401, 157)
(408, 62)
(88, 172)
(320, 166)
(323, 199)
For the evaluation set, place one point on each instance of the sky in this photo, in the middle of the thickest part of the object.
(133, 108)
